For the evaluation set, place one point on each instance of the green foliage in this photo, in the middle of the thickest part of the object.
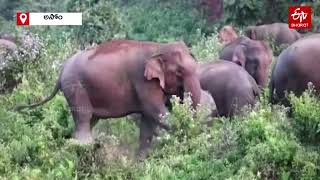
(263, 143)
(306, 112)
(13, 60)
(165, 21)
(254, 12)
(245, 12)
(101, 21)
(207, 48)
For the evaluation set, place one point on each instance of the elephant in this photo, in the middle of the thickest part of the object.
(281, 33)
(227, 34)
(122, 77)
(296, 66)
(230, 85)
(254, 56)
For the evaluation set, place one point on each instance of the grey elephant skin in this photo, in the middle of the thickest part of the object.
(254, 56)
(296, 66)
(280, 32)
(122, 77)
(207, 101)
(230, 85)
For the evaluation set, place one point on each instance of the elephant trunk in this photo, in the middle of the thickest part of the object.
(192, 85)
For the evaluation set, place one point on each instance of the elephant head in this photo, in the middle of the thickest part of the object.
(175, 68)
(250, 32)
(227, 34)
(255, 57)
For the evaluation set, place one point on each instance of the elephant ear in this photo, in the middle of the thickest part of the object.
(238, 56)
(153, 69)
(267, 48)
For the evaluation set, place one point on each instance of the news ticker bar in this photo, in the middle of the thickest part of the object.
(48, 19)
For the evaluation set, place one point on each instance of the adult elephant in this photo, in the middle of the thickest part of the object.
(254, 56)
(280, 32)
(121, 77)
(230, 85)
(296, 66)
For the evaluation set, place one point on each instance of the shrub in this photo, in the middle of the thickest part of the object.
(164, 21)
(101, 22)
(306, 113)
(263, 143)
(207, 48)
(13, 60)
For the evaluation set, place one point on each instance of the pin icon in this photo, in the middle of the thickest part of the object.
(23, 17)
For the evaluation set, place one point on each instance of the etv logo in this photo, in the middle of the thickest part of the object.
(23, 18)
(300, 17)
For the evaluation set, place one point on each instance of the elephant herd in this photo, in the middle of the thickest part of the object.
(123, 77)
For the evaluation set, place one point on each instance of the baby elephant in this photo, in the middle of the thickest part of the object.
(231, 86)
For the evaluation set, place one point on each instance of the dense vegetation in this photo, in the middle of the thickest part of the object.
(264, 143)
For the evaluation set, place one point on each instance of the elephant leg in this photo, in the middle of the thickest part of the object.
(147, 130)
(81, 110)
(136, 118)
(93, 122)
(82, 127)
(153, 106)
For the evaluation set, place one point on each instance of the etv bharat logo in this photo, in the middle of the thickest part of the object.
(300, 17)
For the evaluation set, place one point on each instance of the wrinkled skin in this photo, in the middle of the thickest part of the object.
(254, 56)
(296, 66)
(227, 34)
(231, 86)
(122, 77)
(281, 33)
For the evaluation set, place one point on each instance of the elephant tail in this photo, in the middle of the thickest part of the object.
(54, 92)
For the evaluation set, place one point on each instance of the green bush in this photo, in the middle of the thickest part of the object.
(14, 60)
(306, 113)
(207, 48)
(263, 143)
(254, 12)
(101, 22)
(165, 21)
